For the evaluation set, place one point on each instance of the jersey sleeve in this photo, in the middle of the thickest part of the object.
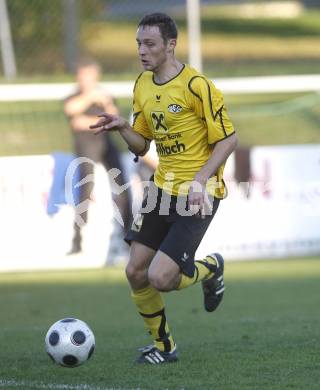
(209, 104)
(139, 122)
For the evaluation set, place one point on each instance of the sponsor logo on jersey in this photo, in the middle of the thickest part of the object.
(174, 108)
(166, 150)
(158, 121)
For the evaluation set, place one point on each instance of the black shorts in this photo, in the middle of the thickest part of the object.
(165, 229)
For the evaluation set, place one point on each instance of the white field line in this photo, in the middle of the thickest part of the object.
(5, 383)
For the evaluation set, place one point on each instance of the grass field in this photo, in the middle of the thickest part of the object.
(264, 336)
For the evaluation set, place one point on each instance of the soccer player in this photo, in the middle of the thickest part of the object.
(184, 114)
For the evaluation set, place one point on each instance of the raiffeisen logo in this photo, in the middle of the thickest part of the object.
(166, 150)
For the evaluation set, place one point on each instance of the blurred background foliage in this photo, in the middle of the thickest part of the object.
(271, 37)
(49, 36)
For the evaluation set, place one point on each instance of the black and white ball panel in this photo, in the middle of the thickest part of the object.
(78, 337)
(70, 361)
(54, 338)
(70, 342)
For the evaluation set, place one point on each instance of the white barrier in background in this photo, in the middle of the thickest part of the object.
(30, 238)
(124, 89)
(280, 218)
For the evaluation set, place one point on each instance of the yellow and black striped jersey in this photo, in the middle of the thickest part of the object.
(185, 117)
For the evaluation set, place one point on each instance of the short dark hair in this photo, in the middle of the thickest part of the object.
(167, 26)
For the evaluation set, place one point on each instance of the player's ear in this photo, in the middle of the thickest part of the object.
(171, 44)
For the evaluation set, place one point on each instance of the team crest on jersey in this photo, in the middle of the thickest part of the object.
(158, 121)
(174, 108)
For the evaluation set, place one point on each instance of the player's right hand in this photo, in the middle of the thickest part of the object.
(108, 122)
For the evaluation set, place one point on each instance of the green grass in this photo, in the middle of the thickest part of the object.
(264, 336)
(33, 128)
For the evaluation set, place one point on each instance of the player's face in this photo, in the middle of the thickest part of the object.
(153, 51)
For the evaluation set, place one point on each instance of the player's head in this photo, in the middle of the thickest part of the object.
(88, 74)
(156, 37)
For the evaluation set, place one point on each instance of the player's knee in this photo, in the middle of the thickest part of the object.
(136, 276)
(160, 281)
(132, 272)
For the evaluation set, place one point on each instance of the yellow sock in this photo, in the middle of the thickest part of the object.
(151, 307)
(201, 272)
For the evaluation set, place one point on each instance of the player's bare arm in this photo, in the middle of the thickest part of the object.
(222, 151)
(136, 142)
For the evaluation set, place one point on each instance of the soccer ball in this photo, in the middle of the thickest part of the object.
(70, 342)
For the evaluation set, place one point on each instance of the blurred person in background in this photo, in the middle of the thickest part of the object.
(81, 108)
(184, 114)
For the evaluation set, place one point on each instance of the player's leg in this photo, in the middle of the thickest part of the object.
(147, 232)
(180, 246)
(138, 265)
(164, 273)
(147, 298)
(210, 272)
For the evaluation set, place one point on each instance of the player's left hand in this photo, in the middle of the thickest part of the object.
(196, 198)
